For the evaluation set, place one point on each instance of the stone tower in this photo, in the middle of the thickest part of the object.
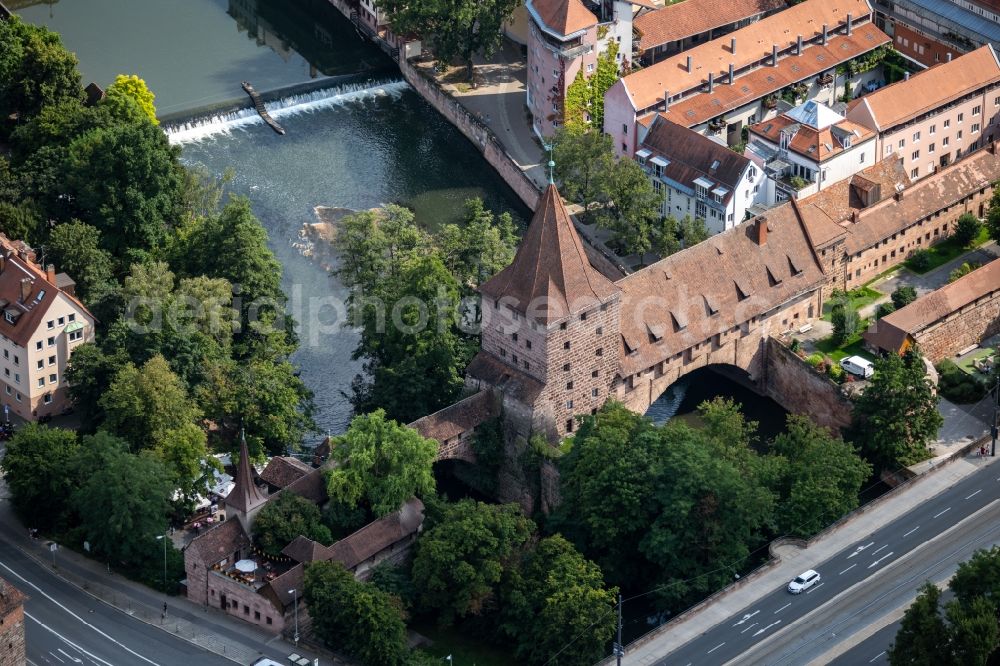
(245, 499)
(550, 337)
(11, 625)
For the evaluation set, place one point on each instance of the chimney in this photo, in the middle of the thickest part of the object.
(731, 76)
(666, 100)
(898, 196)
(732, 45)
(824, 34)
(774, 55)
(798, 45)
(25, 289)
(906, 76)
(761, 228)
(855, 216)
(947, 57)
(50, 273)
(993, 151)
(711, 81)
(689, 65)
(3, 262)
(848, 25)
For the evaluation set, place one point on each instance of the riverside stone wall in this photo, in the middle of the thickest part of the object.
(794, 385)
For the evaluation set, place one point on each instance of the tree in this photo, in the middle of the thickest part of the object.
(381, 463)
(20, 221)
(583, 162)
(607, 483)
(896, 415)
(283, 519)
(479, 248)
(460, 561)
(75, 248)
(979, 576)
(184, 452)
(845, 320)
(963, 270)
(126, 181)
(458, 29)
(357, 617)
(39, 472)
(89, 373)
(556, 608)
(634, 206)
(992, 212)
(923, 635)
(967, 229)
(823, 477)
(903, 296)
(142, 405)
(35, 69)
(885, 309)
(123, 505)
(135, 89)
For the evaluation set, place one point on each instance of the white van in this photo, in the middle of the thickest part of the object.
(857, 365)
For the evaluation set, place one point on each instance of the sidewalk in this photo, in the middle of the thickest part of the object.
(205, 627)
(791, 559)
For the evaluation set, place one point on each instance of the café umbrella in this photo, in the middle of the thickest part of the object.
(246, 566)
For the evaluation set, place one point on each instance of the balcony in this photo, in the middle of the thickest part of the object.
(569, 53)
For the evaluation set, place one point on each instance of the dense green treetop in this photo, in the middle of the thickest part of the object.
(36, 468)
(380, 463)
(35, 69)
(283, 519)
(132, 87)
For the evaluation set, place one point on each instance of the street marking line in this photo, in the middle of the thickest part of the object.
(848, 568)
(773, 624)
(749, 628)
(974, 494)
(746, 617)
(68, 656)
(815, 587)
(875, 563)
(876, 656)
(716, 647)
(912, 531)
(84, 622)
(66, 640)
(860, 548)
(876, 552)
(783, 608)
(943, 512)
(56, 657)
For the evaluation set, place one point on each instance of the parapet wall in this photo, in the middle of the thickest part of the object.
(794, 385)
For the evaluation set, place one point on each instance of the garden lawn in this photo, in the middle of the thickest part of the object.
(943, 252)
(462, 648)
(853, 346)
(859, 298)
(965, 363)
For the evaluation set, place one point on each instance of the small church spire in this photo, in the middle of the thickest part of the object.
(245, 495)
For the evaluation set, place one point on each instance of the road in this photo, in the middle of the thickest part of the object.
(769, 631)
(64, 625)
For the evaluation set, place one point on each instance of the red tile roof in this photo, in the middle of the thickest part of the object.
(929, 89)
(219, 542)
(693, 17)
(303, 549)
(817, 145)
(754, 43)
(283, 470)
(564, 17)
(245, 494)
(551, 276)
(459, 417)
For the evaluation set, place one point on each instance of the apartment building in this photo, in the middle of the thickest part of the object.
(721, 86)
(679, 26)
(807, 149)
(930, 31)
(699, 177)
(42, 323)
(936, 116)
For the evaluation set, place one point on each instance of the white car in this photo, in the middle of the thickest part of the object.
(858, 365)
(803, 581)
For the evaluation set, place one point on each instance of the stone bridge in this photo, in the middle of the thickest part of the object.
(454, 426)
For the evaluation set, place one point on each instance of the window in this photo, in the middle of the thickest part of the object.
(595, 393)
(624, 129)
(590, 67)
(503, 353)
(51, 341)
(996, 101)
(595, 373)
(6, 353)
(930, 148)
(566, 367)
(958, 137)
(514, 336)
(932, 129)
(513, 357)
(8, 390)
(17, 396)
(527, 343)
(41, 381)
(976, 110)
(569, 386)
(961, 117)
(17, 360)
(75, 335)
(916, 137)
(52, 379)
(915, 172)
(61, 321)
(527, 366)
(944, 142)
(600, 330)
(915, 155)
(17, 377)
(38, 345)
(50, 324)
(566, 345)
(600, 351)
(268, 618)
(40, 364)
(52, 360)
(975, 128)
(256, 615)
(947, 123)
(583, 317)
(6, 372)
(71, 317)
(861, 158)
(902, 143)
(562, 326)
(569, 404)
(569, 425)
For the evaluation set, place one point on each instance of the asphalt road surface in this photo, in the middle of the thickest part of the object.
(746, 637)
(65, 626)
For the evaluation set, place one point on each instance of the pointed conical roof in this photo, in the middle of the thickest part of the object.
(551, 276)
(245, 495)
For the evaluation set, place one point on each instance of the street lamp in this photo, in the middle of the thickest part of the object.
(164, 538)
(294, 592)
